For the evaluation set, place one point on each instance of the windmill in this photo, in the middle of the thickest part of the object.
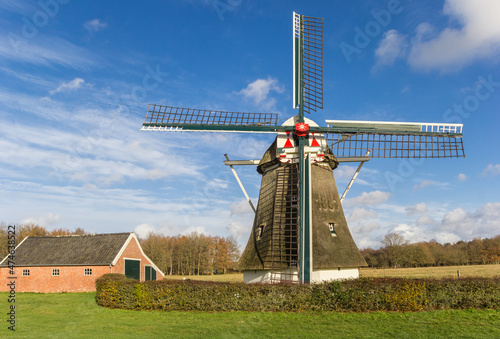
(300, 233)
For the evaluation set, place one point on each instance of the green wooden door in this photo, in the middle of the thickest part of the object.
(133, 269)
(149, 273)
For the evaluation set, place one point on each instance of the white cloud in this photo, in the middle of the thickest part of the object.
(94, 25)
(359, 213)
(473, 33)
(446, 237)
(391, 48)
(241, 207)
(367, 242)
(216, 184)
(165, 228)
(456, 216)
(238, 230)
(143, 230)
(491, 170)
(417, 209)
(48, 219)
(93, 155)
(410, 233)
(371, 198)
(45, 50)
(344, 172)
(259, 91)
(367, 227)
(426, 183)
(461, 177)
(425, 220)
(27, 77)
(483, 222)
(19, 7)
(72, 85)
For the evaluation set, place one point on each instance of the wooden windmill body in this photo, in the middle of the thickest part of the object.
(300, 233)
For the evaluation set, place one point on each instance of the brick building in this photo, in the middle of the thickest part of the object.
(73, 263)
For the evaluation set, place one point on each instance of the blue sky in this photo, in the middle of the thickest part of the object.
(76, 78)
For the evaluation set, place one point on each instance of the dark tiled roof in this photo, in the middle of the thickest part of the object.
(98, 249)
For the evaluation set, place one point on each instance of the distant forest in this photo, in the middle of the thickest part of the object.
(192, 254)
(196, 253)
(397, 252)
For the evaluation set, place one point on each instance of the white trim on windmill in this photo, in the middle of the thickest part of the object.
(397, 126)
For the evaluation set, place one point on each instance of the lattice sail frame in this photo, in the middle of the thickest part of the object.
(307, 62)
(347, 139)
(395, 139)
(169, 118)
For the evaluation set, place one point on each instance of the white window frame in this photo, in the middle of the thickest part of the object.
(54, 271)
(87, 271)
(331, 226)
(260, 231)
(26, 273)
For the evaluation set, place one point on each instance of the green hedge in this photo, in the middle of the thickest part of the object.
(365, 294)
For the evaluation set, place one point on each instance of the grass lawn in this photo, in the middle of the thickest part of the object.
(75, 315)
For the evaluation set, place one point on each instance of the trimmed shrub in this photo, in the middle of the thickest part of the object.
(359, 295)
(115, 291)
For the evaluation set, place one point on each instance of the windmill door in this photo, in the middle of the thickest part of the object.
(133, 269)
(149, 273)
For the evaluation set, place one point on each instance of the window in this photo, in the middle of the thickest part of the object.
(260, 231)
(332, 229)
(88, 271)
(55, 272)
(26, 273)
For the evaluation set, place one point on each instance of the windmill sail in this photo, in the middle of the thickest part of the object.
(168, 118)
(308, 62)
(395, 139)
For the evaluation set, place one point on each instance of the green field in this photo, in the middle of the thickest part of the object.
(75, 315)
(234, 277)
(486, 271)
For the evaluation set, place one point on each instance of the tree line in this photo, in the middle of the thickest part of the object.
(196, 254)
(398, 252)
(191, 254)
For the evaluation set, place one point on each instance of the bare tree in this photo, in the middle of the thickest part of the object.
(393, 247)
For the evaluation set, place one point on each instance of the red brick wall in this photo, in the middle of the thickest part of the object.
(70, 279)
